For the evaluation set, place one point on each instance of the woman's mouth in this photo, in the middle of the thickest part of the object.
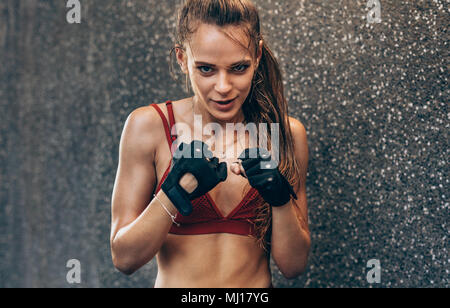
(224, 105)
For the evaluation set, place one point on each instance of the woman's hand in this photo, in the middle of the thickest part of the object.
(263, 174)
(195, 172)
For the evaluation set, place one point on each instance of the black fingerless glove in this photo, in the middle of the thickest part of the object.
(263, 174)
(198, 160)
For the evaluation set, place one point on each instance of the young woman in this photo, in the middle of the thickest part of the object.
(214, 220)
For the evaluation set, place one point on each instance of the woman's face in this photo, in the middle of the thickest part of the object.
(220, 69)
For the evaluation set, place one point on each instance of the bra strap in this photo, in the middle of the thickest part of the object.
(167, 128)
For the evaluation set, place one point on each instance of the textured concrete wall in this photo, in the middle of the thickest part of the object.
(373, 98)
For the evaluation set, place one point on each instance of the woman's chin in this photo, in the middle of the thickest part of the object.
(224, 107)
(228, 117)
(225, 113)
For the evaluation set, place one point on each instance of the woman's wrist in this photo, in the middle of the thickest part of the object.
(162, 197)
(282, 208)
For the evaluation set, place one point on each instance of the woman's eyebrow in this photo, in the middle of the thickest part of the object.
(242, 62)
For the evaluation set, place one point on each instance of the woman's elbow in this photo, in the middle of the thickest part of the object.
(294, 266)
(122, 262)
(295, 269)
(293, 272)
(123, 266)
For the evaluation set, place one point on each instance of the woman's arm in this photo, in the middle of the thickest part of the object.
(139, 225)
(290, 233)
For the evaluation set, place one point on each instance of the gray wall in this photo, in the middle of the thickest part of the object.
(373, 98)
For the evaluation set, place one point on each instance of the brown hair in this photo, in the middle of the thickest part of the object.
(266, 102)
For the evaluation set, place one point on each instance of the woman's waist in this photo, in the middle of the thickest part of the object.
(220, 260)
(259, 277)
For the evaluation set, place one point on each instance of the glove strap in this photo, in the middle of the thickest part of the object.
(180, 199)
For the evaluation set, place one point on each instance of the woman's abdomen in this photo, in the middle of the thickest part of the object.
(212, 260)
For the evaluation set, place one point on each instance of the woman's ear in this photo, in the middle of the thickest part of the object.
(260, 47)
(181, 57)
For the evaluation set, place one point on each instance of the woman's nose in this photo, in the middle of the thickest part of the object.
(223, 85)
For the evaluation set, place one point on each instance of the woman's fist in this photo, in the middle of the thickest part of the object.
(263, 174)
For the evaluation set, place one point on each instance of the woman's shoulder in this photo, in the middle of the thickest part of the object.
(299, 137)
(297, 128)
(143, 129)
(143, 119)
(150, 119)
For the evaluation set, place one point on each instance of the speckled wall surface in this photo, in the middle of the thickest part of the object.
(372, 96)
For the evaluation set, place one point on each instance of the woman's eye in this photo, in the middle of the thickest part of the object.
(205, 69)
(241, 68)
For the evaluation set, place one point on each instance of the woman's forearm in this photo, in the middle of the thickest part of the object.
(137, 243)
(290, 241)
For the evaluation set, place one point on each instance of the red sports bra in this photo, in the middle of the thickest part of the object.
(206, 217)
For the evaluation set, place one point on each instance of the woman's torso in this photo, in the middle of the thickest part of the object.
(209, 260)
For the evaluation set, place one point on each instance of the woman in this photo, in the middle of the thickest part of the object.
(217, 227)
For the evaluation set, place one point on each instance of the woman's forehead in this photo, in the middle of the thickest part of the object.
(211, 44)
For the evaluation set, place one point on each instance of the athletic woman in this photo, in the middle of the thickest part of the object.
(213, 210)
